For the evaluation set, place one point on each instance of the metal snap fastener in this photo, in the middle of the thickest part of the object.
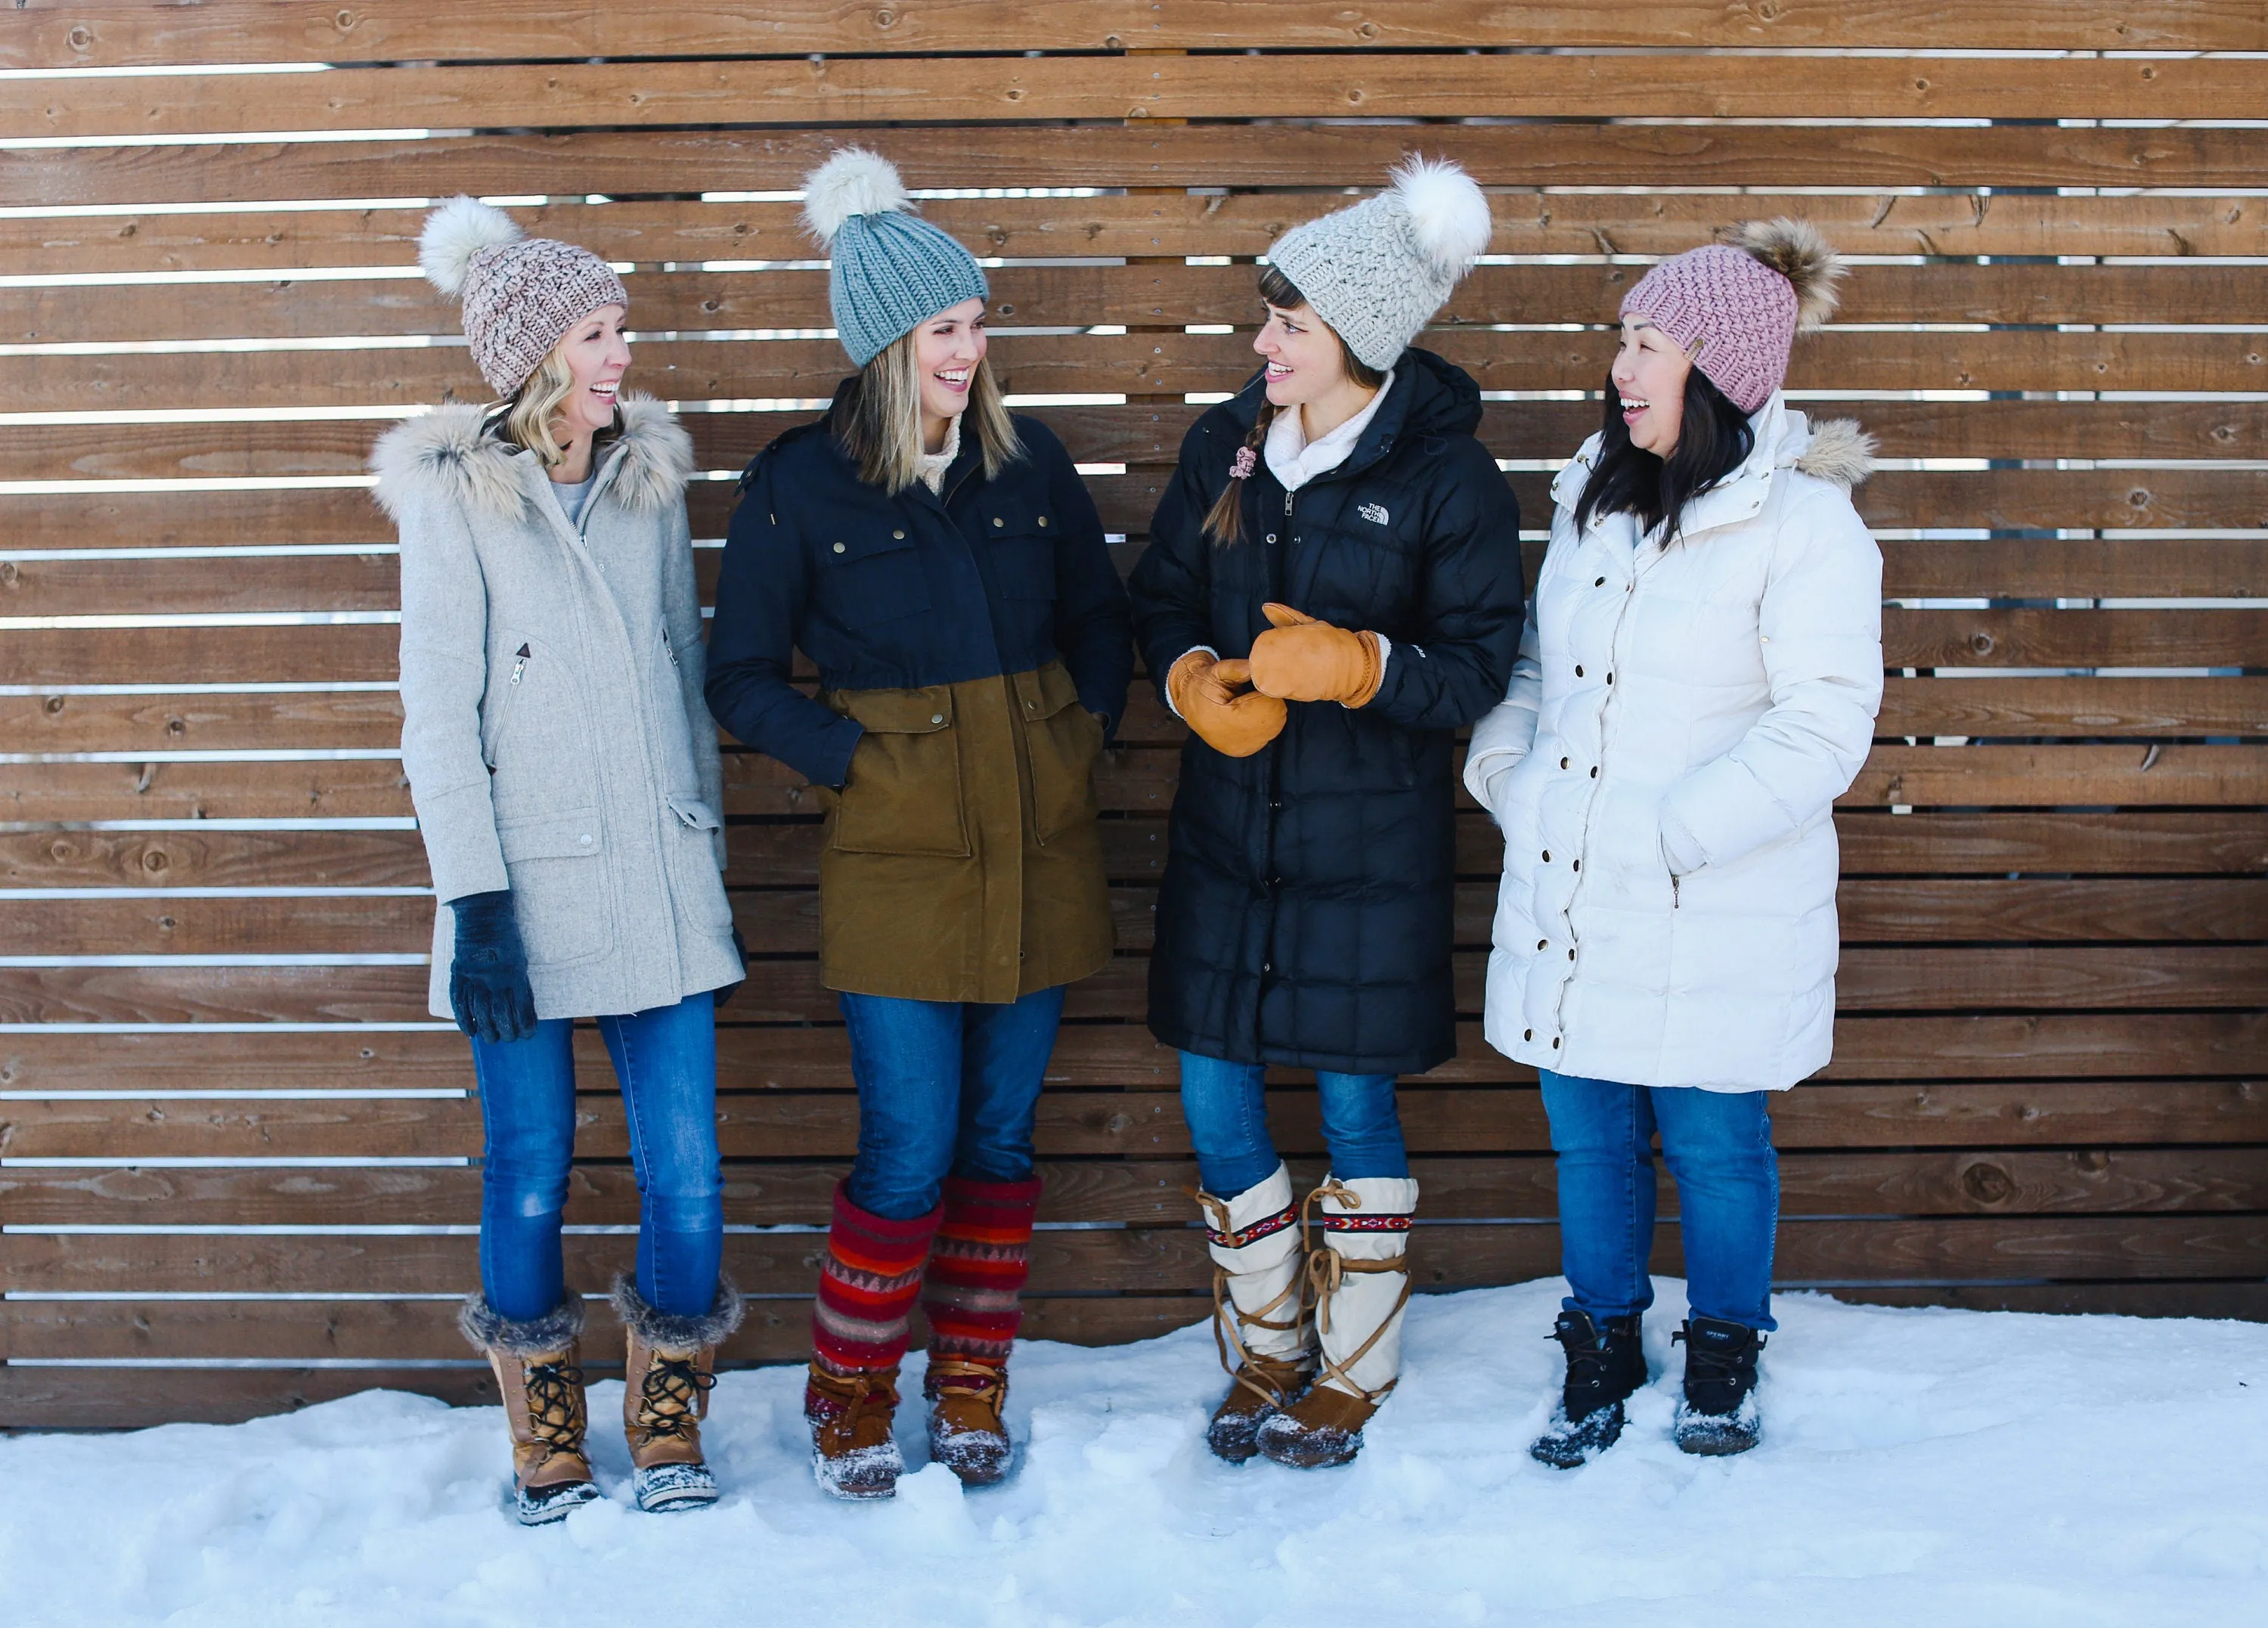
(1600, 583)
(1578, 865)
(1595, 773)
(1563, 763)
(1528, 1034)
(1571, 954)
(996, 520)
(898, 536)
(1031, 706)
(838, 548)
(585, 839)
(937, 718)
(1267, 965)
(1579, 672)
(1543, 943)
(1610, 678)
(1555, 1042)
(1546, 855)
(1271, 536)
(1043, 519)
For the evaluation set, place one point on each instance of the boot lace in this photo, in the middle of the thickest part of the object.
(670, 1396)
(554, 1407)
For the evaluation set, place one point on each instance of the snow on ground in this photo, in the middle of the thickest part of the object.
(1918, 1468)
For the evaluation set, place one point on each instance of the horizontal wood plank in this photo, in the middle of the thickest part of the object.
(112, 33)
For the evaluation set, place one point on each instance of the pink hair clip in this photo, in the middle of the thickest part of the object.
(1245, 462)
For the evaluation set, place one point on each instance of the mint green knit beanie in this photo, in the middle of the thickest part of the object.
(890, 271)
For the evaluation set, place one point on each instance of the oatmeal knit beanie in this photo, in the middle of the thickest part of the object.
(520, 294)
(1742, 302)
(1378, 270)
(890, 270)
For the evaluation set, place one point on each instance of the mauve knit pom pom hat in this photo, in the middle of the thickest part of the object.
(520, 294)
(890, 270)
(1742, 302)
(1378, 270)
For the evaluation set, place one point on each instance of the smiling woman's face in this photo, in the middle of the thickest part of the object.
(597, 354)
(947, 349)
(1304, 358)
(1649, 373)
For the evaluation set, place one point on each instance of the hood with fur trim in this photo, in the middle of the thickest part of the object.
(1840, 452)
(453, 454)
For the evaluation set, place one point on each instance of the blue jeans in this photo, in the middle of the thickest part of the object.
(667, 1062)
(1719, 1145)
(1228, 1115)
(945, 1087)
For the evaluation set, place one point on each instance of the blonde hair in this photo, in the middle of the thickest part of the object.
(533, 408)
(881, 429)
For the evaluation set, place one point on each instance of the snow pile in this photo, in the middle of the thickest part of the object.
(1918, 1468)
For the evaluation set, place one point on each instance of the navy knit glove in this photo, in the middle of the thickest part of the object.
(487, 977)
(730, 990)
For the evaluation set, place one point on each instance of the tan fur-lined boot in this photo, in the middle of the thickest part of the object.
(672, 1369)
(538, 1365)
(1258, 1313)
(1359, 1283)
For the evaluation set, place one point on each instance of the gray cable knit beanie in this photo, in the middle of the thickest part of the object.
(890, 270)
(520, 294)
(1377, 271)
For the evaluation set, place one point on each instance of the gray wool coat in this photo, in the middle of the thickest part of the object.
(553, 726)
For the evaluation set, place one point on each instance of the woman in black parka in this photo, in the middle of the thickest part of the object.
(1332, 589)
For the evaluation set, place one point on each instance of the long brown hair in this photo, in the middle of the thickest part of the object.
(880, 424)
(1224, 522)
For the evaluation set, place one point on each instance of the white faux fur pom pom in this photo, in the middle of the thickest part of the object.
(454, 233)
(853, 181)
(1448, 212)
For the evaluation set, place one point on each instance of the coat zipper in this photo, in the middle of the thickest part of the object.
(519, 667)
(1673, 890)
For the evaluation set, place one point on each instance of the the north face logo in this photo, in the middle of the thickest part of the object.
(1374, 513)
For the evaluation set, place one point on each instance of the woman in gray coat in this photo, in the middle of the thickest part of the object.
(565, 773)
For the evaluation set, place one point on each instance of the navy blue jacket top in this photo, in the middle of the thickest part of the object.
(882, 593)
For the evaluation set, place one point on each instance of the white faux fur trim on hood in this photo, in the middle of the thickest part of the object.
(452, 454)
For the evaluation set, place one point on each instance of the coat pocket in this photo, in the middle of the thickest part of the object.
(1062, 742)
(903, 795)
(871, 573)
(696, 831)
(562, 901)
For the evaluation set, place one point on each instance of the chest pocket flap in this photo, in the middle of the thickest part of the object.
(871, 570)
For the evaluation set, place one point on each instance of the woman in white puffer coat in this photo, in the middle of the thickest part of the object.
(1697, 683)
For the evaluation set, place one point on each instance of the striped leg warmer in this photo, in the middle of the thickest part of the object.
(867, 1286)
(973, 1297)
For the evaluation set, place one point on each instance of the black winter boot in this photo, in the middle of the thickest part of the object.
(1718, 1413)
(1604, 1368)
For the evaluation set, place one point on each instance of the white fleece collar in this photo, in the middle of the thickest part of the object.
(1294, 460)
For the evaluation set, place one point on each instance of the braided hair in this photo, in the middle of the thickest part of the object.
(1224, 522)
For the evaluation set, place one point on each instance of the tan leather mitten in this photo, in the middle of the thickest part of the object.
(1299, 659)
(1205, 692)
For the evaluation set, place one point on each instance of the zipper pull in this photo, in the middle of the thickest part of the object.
(1673, 890)
(519, 666)
(667, 648)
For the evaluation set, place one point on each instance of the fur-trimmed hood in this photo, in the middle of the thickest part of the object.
(1840, 452)
(453, 454)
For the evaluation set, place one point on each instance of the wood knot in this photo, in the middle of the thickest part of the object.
(80, 38)
(1987, 1183)
(885, 17)
(1981, 643)
(54, 705)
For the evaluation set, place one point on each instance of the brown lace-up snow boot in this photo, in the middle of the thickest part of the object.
(853, 1454)
(670, 1371)
(538, 1366)
(1260, 1321)
(966, 1433)
(1359, 1284)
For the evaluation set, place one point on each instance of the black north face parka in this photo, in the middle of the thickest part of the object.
(1305, 916)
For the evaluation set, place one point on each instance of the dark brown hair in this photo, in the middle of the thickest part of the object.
(1713, 439)
(1224, 522)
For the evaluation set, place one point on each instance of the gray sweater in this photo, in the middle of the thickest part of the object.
(553, 728)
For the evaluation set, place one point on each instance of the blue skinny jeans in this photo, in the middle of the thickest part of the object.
(1719, 1147)
(945, 1087)
(1228, 1113)
(667, 1062)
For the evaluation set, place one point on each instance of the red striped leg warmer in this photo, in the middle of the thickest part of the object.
(973, 1297)
(867, 1286)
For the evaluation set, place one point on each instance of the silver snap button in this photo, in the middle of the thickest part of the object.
(996, 520)
(937, 718)
(899, 535)
(838, 548)
(1043, 519)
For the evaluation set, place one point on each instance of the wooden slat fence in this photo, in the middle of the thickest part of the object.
(238, 1160)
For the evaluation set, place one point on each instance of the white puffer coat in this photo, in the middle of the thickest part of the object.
(1665, 768)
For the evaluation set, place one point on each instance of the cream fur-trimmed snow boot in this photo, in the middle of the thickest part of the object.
(672, 1369)
(1359, 1284)
(1259, 1315)
(538, 1364)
